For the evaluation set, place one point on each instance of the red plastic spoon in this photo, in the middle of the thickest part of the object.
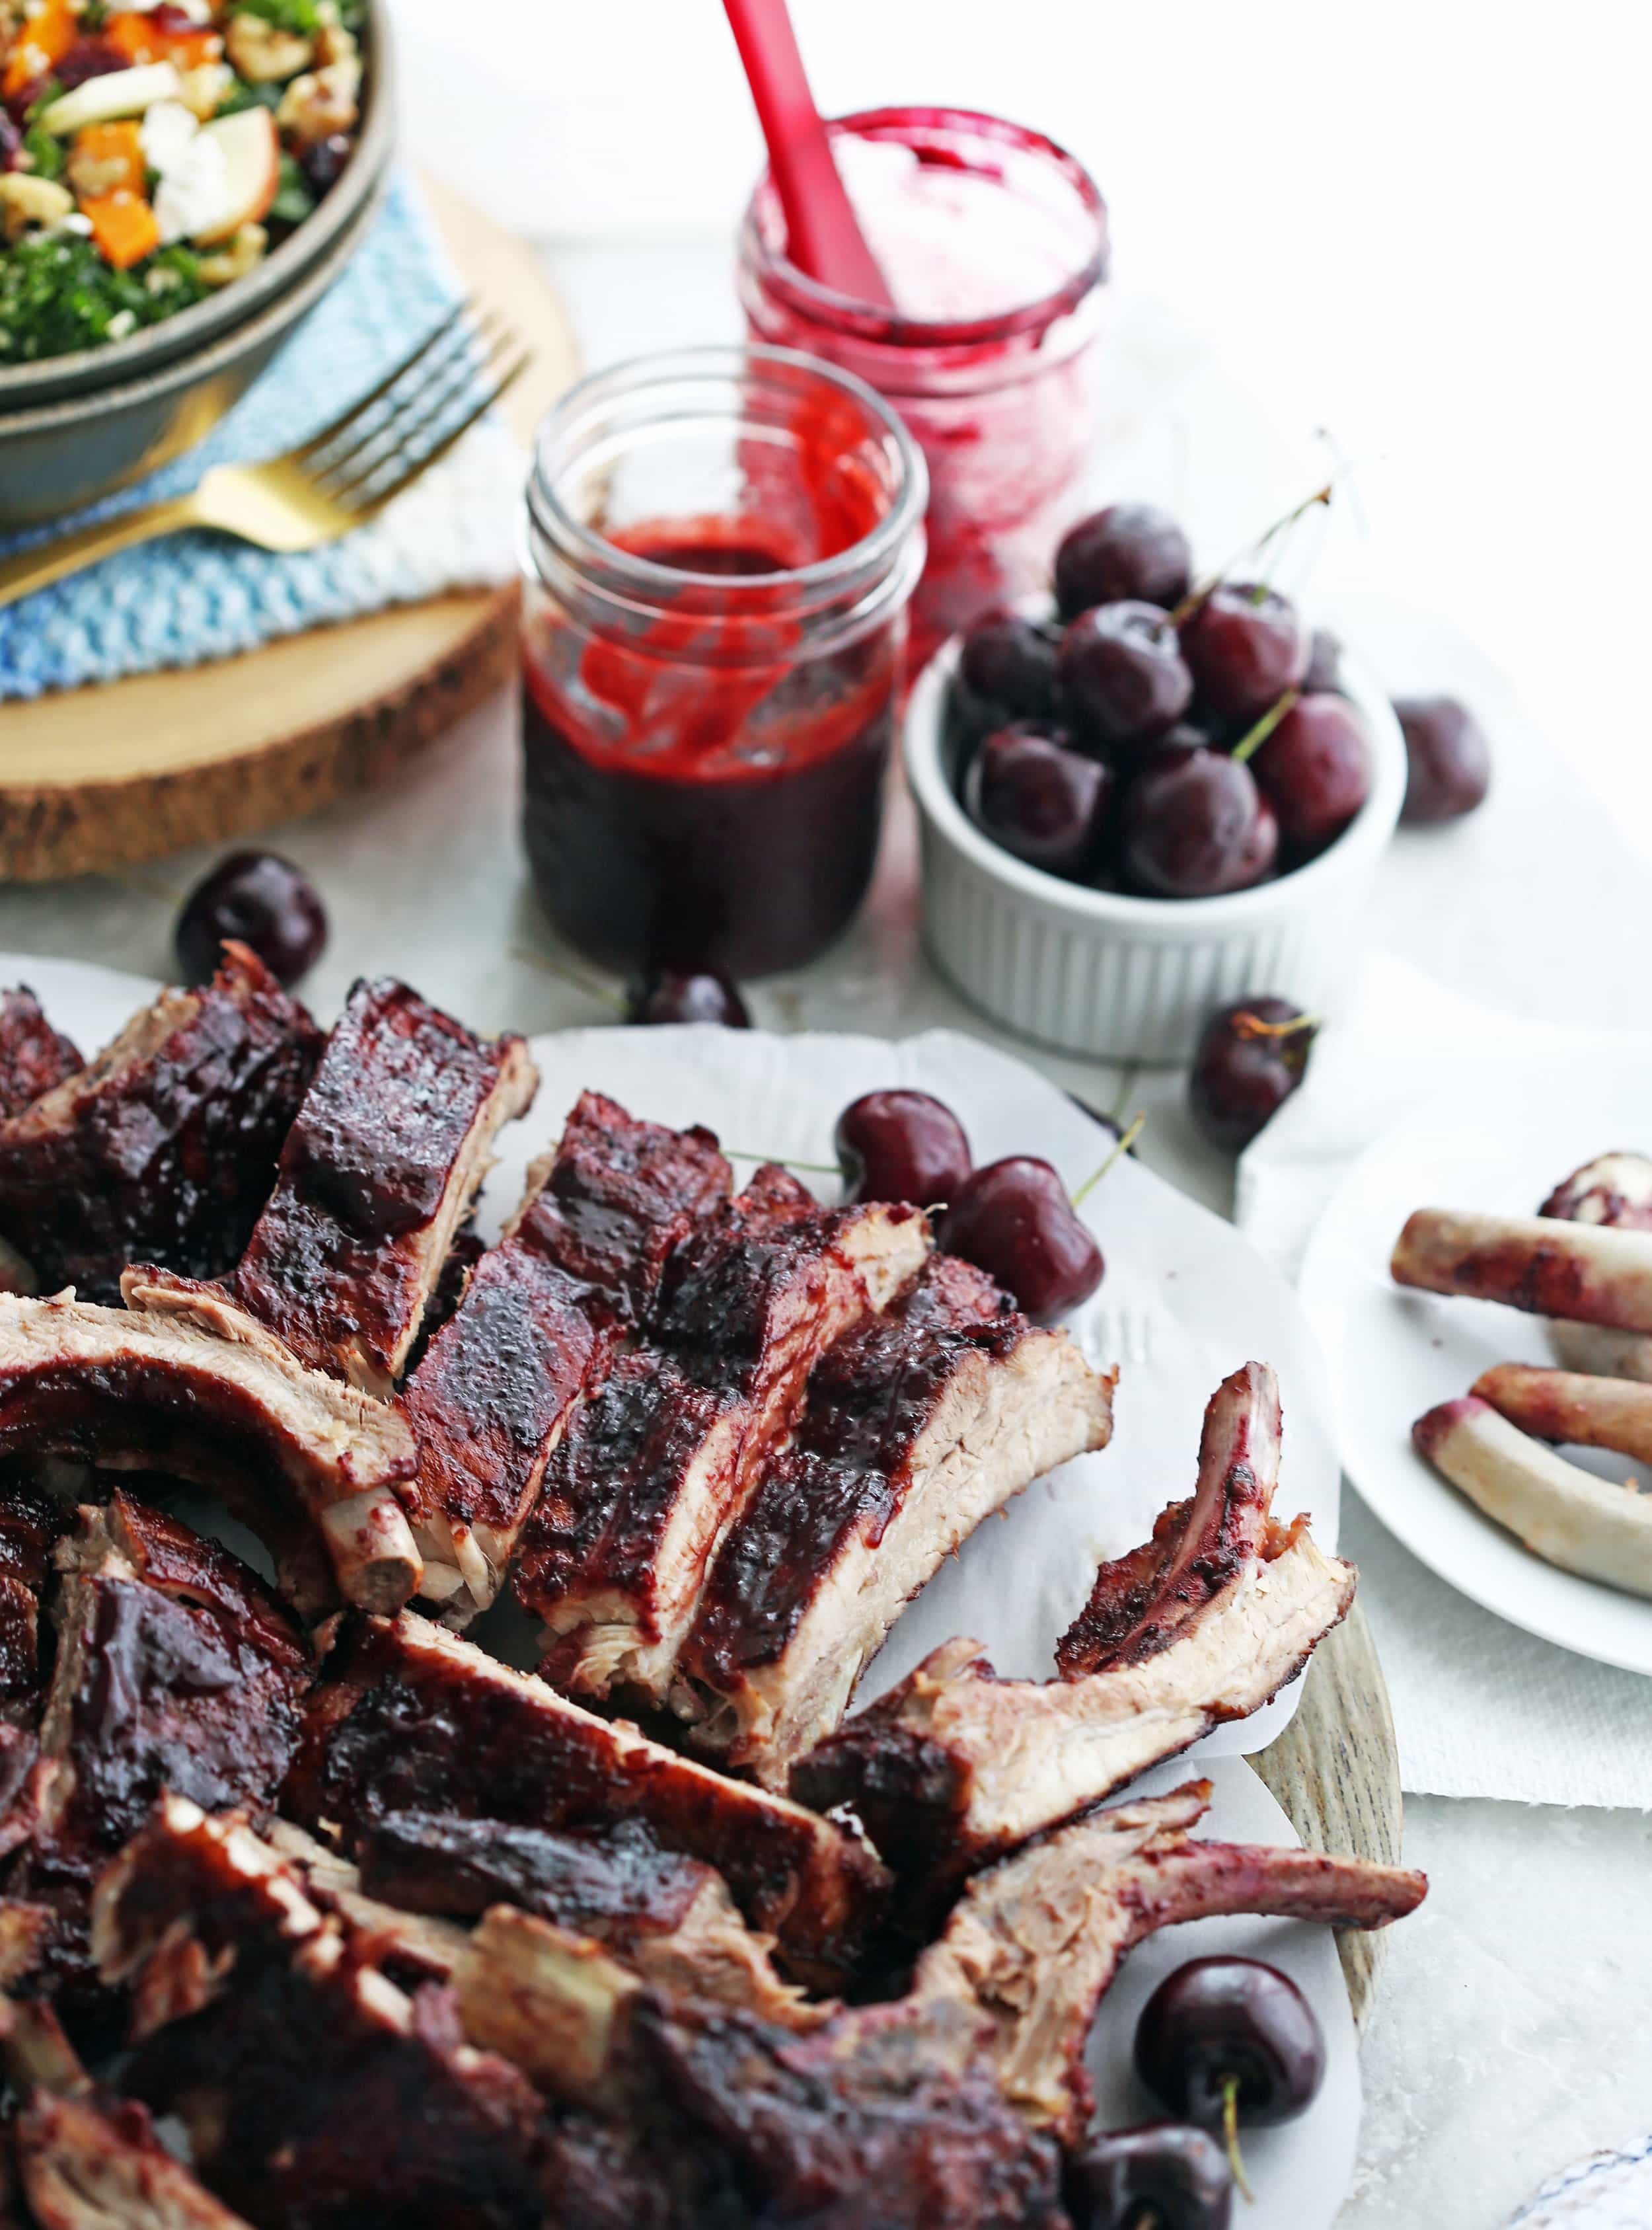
(822, 235)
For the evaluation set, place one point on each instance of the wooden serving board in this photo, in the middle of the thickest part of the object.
(99, 777)
(1335, 1772)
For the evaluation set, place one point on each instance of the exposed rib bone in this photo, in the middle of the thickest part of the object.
(1596, 1527)
(1589, 1273)
(1037, 1941)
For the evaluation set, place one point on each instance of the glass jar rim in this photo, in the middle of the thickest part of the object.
(874, 552)
(843, 314)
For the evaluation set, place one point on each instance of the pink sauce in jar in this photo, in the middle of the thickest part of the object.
(993, 242)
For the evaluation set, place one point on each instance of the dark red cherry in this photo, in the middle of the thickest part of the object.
(900, 1146)
(1168, 2174)
(1259, 855)
(1188, 826)
(1131, 550)
(1252, 1057)
(1217, 2024)
(1010, 663)
(1040, 800)
(1324, 663)
(266, 902)
(1448, 758)
(663, 995)
(1244, 646)
(1314, 770)
(1123, 679)
(1014, 1221)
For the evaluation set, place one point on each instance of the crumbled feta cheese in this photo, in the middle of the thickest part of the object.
(122, 323)
(166, 134)
(75, 222)
(193, 198)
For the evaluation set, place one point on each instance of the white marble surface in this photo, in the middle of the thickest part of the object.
(1512, 2032)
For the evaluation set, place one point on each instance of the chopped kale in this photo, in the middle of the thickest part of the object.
(303, 17)
(57, 293)
(243, 95)
(44, 150)
(293, 199)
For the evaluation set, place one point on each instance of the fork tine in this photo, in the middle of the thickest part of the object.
(428, 404)
(455, 357)
(364, 403)
(419, 466)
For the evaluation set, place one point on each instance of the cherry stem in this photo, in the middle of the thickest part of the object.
(1248, 1025)
(1191, 603)
(1123, 1146)
(1255, 737)
(580, 981)
(1231, 2135)
(781, 1161)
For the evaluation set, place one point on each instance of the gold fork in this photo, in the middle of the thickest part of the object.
(337, 480)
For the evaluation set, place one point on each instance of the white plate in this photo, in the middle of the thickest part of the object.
(1184, 1301)
(1502, 1143)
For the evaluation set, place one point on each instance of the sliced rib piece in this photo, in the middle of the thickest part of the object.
(1588, 1271)
(378, 1172)
(34, 1057)
(87, 2164)
(411, 1947)
(1598, 1528)
(1036, 1942)
(163, 1149)
(31, 1524)
(419, 1720)
(1614, 1189)
(317, 2095)
(1568, 1405)
(954, 1767)
(668, 1917)
(656, 1468)
(207, 1395)
(1141, 1601)
(918, 1424)
(579, 1263)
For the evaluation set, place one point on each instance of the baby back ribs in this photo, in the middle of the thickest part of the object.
(655, 1469)
(954, 1767)
(162, 1150)
(32, 1522)
(542, 1313)
(918, 1424)
(1036, 1941)
(202, 1392)
(34, 1057)
(419, 1720)
(378, 1172)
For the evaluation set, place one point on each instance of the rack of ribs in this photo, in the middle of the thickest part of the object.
(378, 1171)
(955, 1767)
(1037, 1940)
(162, 1150)
(418, 1720)
(654, 1471)
(202, 1392)
(32, 1521)
(175, 1669)
(34, 1057)
(918, 1424)
(541, 1316)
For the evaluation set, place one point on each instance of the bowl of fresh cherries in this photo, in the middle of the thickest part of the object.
(1144, 794)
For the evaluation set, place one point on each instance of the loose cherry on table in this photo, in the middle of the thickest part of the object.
(1250, 1058)
(1130, 549)
(1123, 679)
(1040, 800)
(1014, 1221)
(1170, 2174)
(665, 995)
(1193, 825)
(263, 901)
(1245, 645)
(900, 1146)
(1230, 2044)
(1314, 770)
(1010, 663)
(1448, 758)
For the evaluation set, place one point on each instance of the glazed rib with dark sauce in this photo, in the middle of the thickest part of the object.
(34, 1057)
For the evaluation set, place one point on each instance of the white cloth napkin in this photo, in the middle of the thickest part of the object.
(1481, 1708)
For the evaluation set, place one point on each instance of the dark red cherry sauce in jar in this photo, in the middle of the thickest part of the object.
(992, 241)
(722, 544)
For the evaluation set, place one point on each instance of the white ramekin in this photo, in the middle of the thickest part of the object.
(1129, 978)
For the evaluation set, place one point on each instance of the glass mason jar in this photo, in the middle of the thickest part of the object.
(994, 242)
(720, 546)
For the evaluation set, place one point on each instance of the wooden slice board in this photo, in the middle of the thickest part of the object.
(128, 771)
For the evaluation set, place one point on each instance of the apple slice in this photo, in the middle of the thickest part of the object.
(117, 94)
(251, 148)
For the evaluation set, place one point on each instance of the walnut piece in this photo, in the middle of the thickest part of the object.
(320, 103)
(236, 259)
(264, 53)
(26, 201)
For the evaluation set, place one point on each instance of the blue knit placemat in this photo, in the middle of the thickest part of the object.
(196, 596)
